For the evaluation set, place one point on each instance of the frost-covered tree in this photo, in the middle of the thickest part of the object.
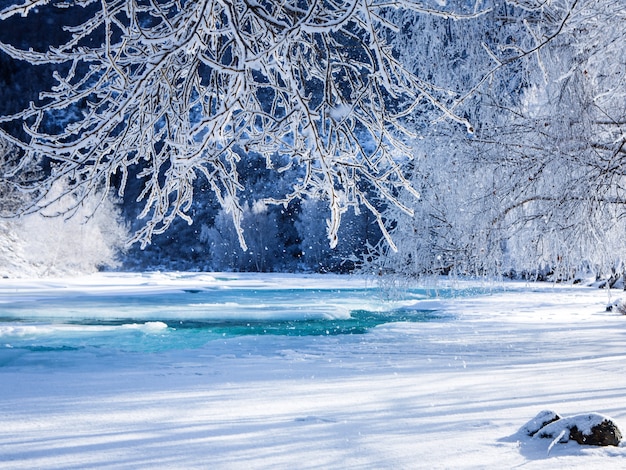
(261, 228)
(166, 89)
(89, 240)
(14, 173)
(561, 195)
(539, 189)
(356, 233)
(44, 243)
(315, 252)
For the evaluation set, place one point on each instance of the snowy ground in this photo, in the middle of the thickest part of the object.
(449, 394)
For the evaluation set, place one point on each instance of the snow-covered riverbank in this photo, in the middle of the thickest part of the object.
(438, 394)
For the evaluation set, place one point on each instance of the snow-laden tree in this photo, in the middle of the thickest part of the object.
(451, 231)
(172, 90)
(89, 240)
(14, 174)
(540, 187)
(357, 231)
(563, 150)
(261, 228)
(42, 243)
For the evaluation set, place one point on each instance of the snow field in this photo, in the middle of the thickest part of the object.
(403, 396)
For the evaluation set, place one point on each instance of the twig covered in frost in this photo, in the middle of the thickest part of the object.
(174, 91)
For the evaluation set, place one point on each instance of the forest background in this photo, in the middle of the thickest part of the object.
(502, 127)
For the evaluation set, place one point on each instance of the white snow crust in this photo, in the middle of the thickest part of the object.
(449, 394)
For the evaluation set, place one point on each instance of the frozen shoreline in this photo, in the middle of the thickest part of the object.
(405, 395)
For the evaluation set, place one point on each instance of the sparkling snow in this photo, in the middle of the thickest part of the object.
(437, 394)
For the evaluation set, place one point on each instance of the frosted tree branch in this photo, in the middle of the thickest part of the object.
(177, 91)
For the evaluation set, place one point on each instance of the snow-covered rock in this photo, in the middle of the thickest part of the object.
(587, 429)
(542, 419)
(618, 305)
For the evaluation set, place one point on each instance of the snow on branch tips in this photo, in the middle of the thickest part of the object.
(177, 93)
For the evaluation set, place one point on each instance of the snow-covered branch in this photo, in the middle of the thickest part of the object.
(175, 92)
